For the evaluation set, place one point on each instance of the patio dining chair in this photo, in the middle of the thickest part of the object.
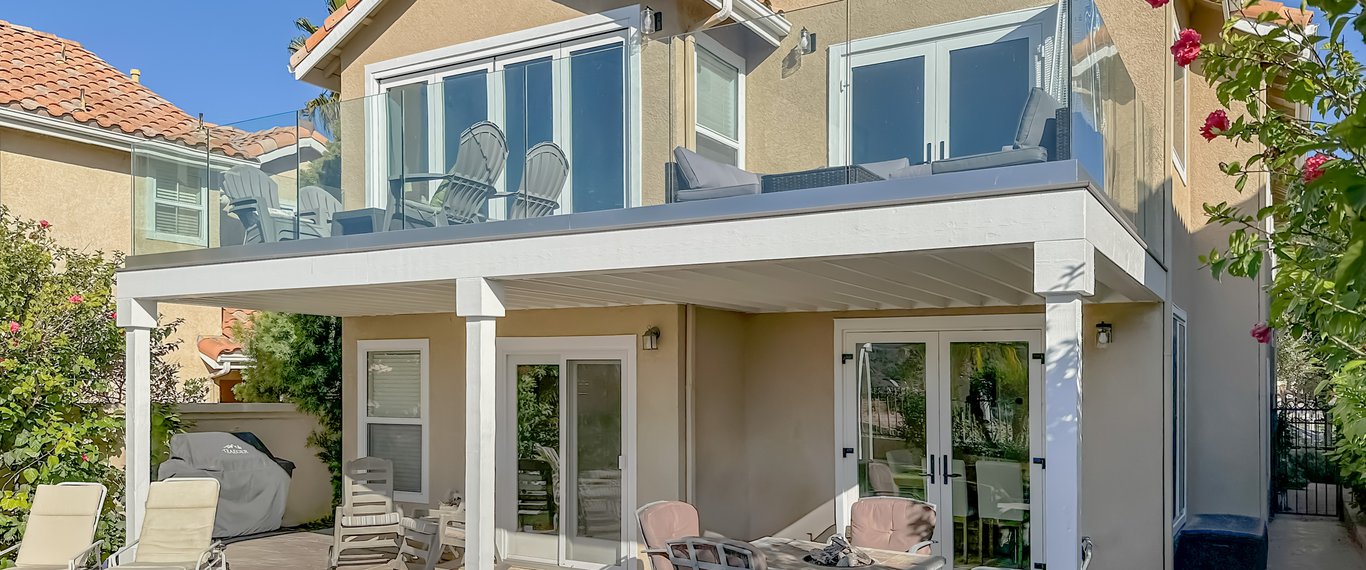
(892, 523)
(61, 528)
(699, 553)
(664, 521)
(881, 481)
(464, 191)
(177, 529)
(367, 518)
(1000, 492)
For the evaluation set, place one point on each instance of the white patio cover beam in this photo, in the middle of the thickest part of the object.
(1064, 272)
(137, 318)
(480, 302)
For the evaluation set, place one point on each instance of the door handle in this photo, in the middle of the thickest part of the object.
(929, 152)
(932, 479)
(948, 475)
(941, 150)
(848, 451)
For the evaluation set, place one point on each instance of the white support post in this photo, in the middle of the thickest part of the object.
(137, 318)
(480, 302)
(1064, 272)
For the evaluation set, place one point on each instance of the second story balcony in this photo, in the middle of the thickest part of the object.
(838, 105)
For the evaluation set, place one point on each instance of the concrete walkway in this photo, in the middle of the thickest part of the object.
(1309, 543)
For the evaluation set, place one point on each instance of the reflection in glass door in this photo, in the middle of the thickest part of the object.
(593, 521)
(893, 419)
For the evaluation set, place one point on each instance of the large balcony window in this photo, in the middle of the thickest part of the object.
(595, 115)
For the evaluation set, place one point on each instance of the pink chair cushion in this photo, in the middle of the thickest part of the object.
(665, 521)
(890, 523)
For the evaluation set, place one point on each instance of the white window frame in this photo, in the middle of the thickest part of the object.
(363, 419)
(622, 24)
(929, 41)
(1180, 377)
(150, 204)
(1181, 137)
(715, 49)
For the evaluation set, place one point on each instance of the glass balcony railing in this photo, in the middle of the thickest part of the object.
(843, 92)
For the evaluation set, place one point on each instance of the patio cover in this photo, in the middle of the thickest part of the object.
(253, 487)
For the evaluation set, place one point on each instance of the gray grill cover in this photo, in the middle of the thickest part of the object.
(252, 487)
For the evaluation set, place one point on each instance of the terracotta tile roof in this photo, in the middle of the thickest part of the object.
(50, 76)
(329, 24)
(214, 347)
(257, 143)
(1286, 14)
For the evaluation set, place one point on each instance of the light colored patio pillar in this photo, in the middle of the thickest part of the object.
(480, 302)
(137, 318)
(1064, 272)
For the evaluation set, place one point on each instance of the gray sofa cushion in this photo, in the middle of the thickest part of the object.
(911, 170)
(1039, 108)
(700, 172)
(694, 194)
(1011, 157)
(886, 167)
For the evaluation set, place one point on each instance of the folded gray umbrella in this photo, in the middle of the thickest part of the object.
(253, 487)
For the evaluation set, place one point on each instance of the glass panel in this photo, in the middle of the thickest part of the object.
(594, 526)
(529, 103)
(464, 102)
(716, 150)
(989, 403)
(888, 113)
(401, 444)
(394, 384)
(988, 85)
(407, 124)
(1179, 134)
(597, 150)
(718, 94)
(892, 420)
(538, 444)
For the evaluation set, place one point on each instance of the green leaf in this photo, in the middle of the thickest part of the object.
(30, 475)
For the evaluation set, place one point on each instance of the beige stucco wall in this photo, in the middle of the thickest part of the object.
(659, 403)
(285, 432)
(85, 192)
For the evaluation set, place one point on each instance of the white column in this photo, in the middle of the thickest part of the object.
(480, 302)
(137, 318)
(1064, 272)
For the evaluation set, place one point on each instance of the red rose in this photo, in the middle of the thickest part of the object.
(13, 327)
(1313, 167)
(1215, 123)
(1157, 3)
(44, 224)
(1261, 332)
(76, 299)
(1187, 47)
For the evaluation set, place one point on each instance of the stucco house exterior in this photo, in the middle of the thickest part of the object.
(783, 248)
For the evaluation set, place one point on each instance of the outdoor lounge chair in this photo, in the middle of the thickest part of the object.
(367, 517)
(542, 181)
(696, 177)
(61, 528)
(177, 529)
(316, 207)
(254, 198)
(892, 523)
(664, 521)
(465, 190)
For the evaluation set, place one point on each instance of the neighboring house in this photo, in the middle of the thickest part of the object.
(69, 125)
(795, 243)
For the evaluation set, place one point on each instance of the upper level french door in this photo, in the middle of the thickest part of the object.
(950, 418)
(934, 93)
(575, 94)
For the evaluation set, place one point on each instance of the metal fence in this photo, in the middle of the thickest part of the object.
(1304, 475)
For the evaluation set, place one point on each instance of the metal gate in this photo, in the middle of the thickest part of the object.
(1305, 477)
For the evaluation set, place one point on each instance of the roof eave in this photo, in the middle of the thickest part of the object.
(760, 19)
(312, 68)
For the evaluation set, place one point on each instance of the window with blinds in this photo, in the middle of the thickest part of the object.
(177, 201)
(393, 420)
(719, 98)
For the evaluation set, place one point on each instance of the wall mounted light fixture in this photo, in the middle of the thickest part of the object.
(808, 42)
(649, 340)
(651, 21)
(1105, 334)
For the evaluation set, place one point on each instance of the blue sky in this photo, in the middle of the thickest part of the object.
(224, 59)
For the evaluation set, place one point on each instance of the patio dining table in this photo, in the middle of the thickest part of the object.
(787, 554)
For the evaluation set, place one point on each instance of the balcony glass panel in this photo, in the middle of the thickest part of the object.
(835, 93)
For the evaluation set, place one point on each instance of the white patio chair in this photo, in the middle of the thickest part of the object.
(177, 529)
(61, 528)
(367, 518)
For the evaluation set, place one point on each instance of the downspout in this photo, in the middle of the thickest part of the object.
(727, 9)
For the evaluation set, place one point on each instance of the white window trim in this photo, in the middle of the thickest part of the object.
(363, 420)
(715, 49)
(842, 55)
(1180, 457)
(624, 21)
(150, 206)
(1181, 137)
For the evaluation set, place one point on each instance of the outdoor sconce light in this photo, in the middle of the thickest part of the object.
(808, 42)
(651, 21)
(650, 339)
(1105, 334)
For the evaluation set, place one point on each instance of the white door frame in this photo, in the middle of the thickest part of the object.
(561, 350)
(984, 328)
